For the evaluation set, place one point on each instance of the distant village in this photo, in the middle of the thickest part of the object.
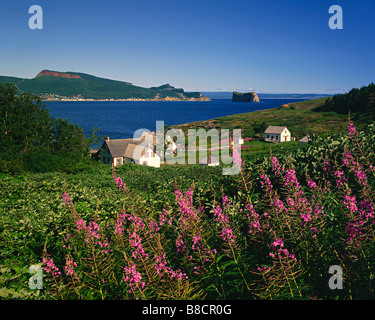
(142, 151)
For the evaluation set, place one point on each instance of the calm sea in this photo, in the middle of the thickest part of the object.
(120, 119)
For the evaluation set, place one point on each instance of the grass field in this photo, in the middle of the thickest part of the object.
(299, 117)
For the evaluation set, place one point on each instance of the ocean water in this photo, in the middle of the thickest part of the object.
(120, 119)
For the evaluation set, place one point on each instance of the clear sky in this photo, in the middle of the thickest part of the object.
(272, 46)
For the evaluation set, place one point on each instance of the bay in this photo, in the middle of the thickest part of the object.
(120, 119)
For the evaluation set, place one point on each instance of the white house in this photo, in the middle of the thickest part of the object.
(119, 151)
(277, 134)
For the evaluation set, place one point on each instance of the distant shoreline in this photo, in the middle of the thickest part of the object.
(118, 100)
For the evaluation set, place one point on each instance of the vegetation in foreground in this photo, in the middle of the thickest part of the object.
(271, 232)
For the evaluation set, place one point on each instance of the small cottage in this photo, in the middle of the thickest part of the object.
(277, 134)
(119, 151)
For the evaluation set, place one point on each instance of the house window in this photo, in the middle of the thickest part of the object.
(118, 162)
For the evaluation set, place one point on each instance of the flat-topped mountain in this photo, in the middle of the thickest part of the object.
(57, 74)
(72, 85)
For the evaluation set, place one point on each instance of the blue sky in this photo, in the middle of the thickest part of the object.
(270, 46)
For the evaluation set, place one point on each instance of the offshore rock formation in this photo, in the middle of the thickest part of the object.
(245, 97)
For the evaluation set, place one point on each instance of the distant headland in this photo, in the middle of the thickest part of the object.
(73, 86)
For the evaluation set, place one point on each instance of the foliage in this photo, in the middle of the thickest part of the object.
(31, 140)
(187, 232)
(359, 102)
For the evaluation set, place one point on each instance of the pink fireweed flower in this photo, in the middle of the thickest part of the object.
(227, 234)
(279, 206)
(253, 218)
(220, 216)
(92, 232)
(354, 233)
(93, 237)
(196, 240)
(180, 245)
(119, 223)
(185, 203)
(154, 228)
(305, 217)
(291, 179)
(133, 278)
(51, 267)
(351, 129)
(312, 185)
(277, 243)
(118, 227)
(66, 199)
(80, 224)
(163, 218)
(136, 244)
(348, 159)
(120, 184)
(276, 166)
(367, 209)
(340, 178)
(266, 182)
(350, 203)
(318, 210)
(161, 267)
(69, 268)
(361, 177)
(226, 202)
(282, 252)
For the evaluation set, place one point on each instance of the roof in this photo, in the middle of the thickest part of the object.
(275, 129)
(118, 147)
(125, 148)
(305, 139)
(130, 151)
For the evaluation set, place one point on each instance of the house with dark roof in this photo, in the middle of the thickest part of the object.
(119, 151)
(277, 134)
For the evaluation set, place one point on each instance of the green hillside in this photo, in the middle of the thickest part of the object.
(308, 117)
(359, 102)
(72, 84)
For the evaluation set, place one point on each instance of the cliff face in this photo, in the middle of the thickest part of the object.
(57, 74)
(245, 97)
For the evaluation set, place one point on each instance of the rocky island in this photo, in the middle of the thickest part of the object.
(245, 97)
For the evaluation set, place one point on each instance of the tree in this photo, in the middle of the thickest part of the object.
(68, 139)
(33, 140)
(25, 122)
